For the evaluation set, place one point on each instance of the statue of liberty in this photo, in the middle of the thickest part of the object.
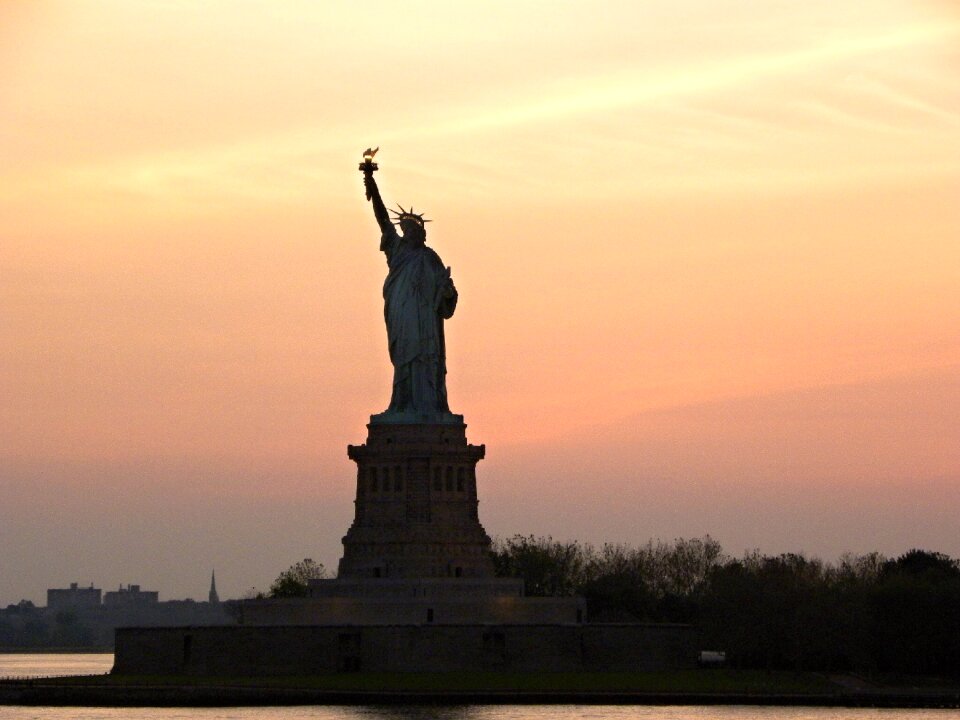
(418, 295)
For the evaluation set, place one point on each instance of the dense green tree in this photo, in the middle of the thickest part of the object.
(548, 567)
(916, 606)
(656, 581)
(728, 617)
(864, 613)
(922, 564)
(294, 581)
(617, 586)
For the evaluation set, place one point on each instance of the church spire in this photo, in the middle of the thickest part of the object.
(213, 597)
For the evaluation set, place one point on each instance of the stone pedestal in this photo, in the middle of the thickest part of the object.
(416, 505)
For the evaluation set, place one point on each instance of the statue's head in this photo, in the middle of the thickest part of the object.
(411, 224)
(414, 231)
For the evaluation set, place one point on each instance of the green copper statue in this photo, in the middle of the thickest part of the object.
(418, 296)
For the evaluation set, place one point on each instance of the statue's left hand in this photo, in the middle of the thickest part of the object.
(450, 290)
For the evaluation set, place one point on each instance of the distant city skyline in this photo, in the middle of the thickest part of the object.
(706, 253)
(86, 591)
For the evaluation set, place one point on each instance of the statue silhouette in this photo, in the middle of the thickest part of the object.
(418, 296)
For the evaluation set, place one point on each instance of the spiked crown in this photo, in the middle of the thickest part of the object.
(403, 215)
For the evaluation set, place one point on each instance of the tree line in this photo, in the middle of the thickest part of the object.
(862, 613)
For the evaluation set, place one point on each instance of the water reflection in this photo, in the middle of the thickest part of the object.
(609, 712)
(45, 664)
(26, 665)
(418, 712)
(491, 712)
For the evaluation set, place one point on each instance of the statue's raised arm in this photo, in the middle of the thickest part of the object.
(379, 209)
(373, 192)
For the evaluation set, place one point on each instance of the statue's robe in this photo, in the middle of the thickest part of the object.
(414, 309)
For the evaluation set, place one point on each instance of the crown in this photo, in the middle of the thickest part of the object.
(408, 215)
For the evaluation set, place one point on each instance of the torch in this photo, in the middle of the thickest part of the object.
(368, 166)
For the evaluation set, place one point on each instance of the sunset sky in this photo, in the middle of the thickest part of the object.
(708, 256)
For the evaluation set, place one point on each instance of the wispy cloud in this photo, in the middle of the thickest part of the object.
(606, 94)
(901, 98)
(276, 165)
(838, 116)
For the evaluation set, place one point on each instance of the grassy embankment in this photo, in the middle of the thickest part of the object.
(681, 681)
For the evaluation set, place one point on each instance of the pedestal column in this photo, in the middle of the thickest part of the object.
(416, 505)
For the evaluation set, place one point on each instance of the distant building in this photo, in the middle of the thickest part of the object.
(73, 597)
(213, 598)
(130, 596)
(94, 615)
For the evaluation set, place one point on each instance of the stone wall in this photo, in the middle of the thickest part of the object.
(304, 650)
(411, 611)
(416, 587)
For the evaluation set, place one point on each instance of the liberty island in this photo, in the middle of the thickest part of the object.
(415, 589)
(416, 613)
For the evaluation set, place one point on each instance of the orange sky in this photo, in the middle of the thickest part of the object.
(707, 254)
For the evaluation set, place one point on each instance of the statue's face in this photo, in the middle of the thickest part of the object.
(413, 232)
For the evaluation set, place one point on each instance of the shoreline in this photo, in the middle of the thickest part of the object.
(87, 692)
(56, 651)
(64, 696)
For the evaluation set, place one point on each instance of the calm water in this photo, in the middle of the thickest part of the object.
(497, 712)
(41, 664)
(93, 664)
